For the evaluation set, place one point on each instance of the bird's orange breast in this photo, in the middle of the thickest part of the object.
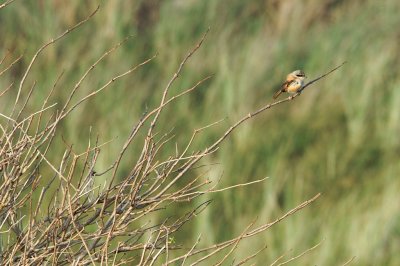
(293, 87)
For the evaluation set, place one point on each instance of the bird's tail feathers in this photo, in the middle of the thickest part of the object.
(276, 95)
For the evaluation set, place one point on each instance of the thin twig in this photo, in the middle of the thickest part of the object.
(300, 255)
(52, 41)
(349, 261)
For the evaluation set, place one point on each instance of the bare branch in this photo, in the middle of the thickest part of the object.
(52, 41)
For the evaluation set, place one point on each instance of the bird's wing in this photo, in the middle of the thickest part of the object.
(283, 88)
(287, 84)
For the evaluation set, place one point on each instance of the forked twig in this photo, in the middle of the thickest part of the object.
(52, 41)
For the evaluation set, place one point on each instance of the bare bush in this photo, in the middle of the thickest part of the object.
(81, 224)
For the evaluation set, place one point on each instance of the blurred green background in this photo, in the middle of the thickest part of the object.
(340, 138)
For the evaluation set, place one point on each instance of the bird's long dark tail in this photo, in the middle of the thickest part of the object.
(276, 95)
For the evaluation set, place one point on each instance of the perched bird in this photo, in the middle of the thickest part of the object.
(294, 82)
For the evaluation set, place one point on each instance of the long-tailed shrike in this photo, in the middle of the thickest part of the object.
(294, 82)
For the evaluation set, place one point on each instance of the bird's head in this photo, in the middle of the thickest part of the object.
(299, 74)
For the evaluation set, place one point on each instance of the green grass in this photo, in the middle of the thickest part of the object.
(339, 138)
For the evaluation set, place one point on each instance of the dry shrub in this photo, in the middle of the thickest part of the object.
(81, 224)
